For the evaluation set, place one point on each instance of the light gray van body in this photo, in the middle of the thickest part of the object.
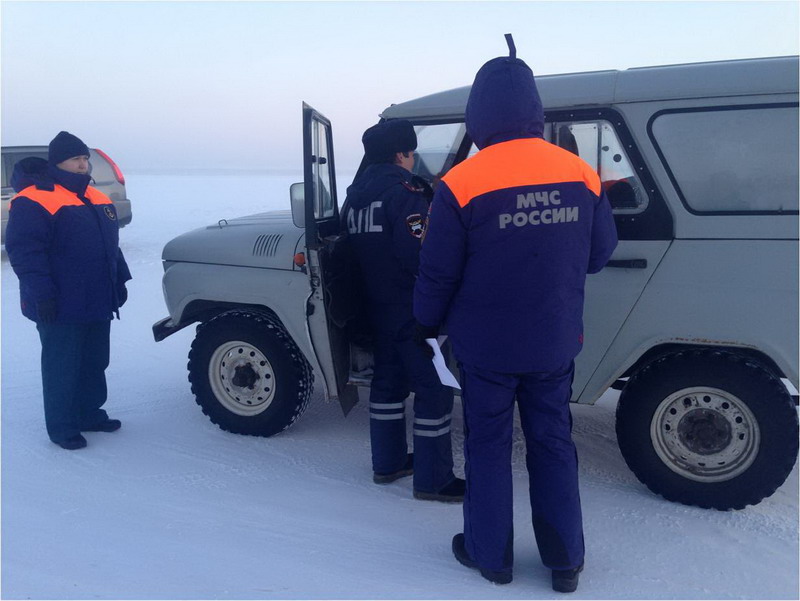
(694, 319)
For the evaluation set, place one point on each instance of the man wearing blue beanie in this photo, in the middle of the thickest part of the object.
(512, 233)
(62, 241)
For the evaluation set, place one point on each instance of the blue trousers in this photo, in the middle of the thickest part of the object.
(551, 458)
(74, 360)
(401, 366)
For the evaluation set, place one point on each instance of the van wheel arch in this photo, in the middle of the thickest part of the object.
(663, 350)
(205, 310)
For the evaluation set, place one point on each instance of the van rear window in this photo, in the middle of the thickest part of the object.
(732, 160)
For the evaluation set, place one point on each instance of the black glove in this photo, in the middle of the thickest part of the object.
(46, 311)
(422, 332)
(122, 295)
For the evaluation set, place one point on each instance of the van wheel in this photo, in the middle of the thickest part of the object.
(708, 428)
(247, 374)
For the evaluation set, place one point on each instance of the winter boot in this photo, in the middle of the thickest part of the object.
(460, 551)
(72, 443)
(110, 425)
(450, 493)
(566, 581)
(404, 471)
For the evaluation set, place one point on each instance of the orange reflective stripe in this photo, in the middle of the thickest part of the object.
(60, 197)
(97, 197)
(523, 162)
(53, 200)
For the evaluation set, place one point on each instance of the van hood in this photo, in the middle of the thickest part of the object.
(266, 240)
(504, 103)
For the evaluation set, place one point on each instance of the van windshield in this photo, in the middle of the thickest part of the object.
(437, 146)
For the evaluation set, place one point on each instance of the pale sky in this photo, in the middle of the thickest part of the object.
(220, 84)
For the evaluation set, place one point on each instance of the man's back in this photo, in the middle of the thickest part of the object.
(528, 221)
(382, 210)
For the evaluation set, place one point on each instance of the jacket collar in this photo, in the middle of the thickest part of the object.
(74, 182)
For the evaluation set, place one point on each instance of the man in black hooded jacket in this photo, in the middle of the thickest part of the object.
(385, 214)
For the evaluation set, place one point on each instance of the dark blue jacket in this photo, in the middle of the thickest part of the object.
(384, 214)
(512, 233)
(62, 240)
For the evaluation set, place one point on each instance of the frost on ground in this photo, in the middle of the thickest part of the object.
(172, 507)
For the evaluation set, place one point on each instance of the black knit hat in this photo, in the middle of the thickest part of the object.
(65, 146)
(384, 140)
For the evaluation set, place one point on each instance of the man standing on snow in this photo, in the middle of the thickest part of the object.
(385, 218)
(512, 233)
(62, 241)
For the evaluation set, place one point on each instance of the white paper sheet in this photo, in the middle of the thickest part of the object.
(445, 375)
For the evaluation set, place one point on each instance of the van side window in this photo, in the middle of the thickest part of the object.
(597, 143)
(11, 158)
(731, 160)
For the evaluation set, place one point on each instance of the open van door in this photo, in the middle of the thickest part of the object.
(327, 305)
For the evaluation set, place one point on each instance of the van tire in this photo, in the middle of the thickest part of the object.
(247, 374)
(708, 428)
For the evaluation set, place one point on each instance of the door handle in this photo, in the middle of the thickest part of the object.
(628, 263)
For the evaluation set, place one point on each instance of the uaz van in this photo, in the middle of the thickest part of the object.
(694, 319)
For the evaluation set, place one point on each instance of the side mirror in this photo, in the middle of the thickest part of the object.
(298, 199)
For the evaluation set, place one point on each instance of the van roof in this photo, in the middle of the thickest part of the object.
(774, 75)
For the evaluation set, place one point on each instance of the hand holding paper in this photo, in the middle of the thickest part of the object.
(445, 375)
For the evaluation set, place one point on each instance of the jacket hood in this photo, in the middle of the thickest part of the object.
(504, 103)
(31, 171)
(375, 180)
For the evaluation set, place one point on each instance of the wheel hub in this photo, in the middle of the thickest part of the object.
(705, 434)
(241, 378)
(245, 376)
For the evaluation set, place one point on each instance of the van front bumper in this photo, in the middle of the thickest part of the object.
(165, 327)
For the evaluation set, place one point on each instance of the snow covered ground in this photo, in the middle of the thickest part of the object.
(172, 507)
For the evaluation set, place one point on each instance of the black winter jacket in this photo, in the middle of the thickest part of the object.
(385, 215)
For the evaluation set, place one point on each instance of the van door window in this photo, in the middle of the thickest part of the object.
(324, 200)
(597, 143)
(738, 159)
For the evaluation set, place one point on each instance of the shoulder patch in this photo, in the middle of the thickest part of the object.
(416, 225)
(413, 188)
